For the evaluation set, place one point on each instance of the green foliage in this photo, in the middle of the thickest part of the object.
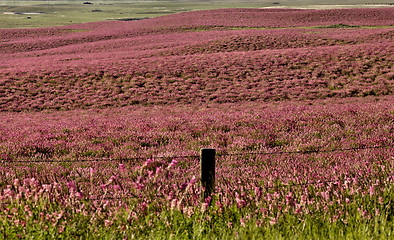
(58, 13)
(340, 25)
(211, 223)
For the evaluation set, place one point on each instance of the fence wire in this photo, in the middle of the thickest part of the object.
(220, 153)
(306, 152)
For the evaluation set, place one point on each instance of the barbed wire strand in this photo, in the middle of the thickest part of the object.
(360, 177)
(264, 187)
(306, 152)
(219, 154)
(308, 183)
(195, 156)
(129, 197)
(99, 159)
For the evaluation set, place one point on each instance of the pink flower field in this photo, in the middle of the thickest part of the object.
(101, 125)
(149, 62)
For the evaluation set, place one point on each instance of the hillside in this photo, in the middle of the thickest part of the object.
(217, 56)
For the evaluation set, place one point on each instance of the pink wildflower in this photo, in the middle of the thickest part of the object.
(273, 221)
(122, 167)
(173, 164)
(158, 170)
(108, 223)
(242, 222)
(371, 191)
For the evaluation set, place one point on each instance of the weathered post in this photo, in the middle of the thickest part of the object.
(207, 162)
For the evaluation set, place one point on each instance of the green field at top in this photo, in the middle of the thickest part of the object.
(29, 14)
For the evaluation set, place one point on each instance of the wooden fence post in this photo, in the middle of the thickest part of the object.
(207, 163)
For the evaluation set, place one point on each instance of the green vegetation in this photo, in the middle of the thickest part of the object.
(212, 222)
(58, 13)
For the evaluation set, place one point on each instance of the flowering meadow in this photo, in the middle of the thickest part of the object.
(136, 171)
(101, 125)
(153, 62)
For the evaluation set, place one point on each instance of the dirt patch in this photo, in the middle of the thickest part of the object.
(23, 13)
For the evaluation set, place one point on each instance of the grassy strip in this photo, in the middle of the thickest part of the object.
(60, 13)
(212, 223)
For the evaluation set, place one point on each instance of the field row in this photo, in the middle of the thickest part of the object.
(183, 130)
(146, 63)
(300, 74)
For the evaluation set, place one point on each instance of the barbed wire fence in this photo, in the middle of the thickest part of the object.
(219, 154)
(207, 176)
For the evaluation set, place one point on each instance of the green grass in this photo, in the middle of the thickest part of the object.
(59, 13)
(64, 13)
(211, 223)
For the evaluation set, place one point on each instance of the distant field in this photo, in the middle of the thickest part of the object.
(216, 56)
(27, 14)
